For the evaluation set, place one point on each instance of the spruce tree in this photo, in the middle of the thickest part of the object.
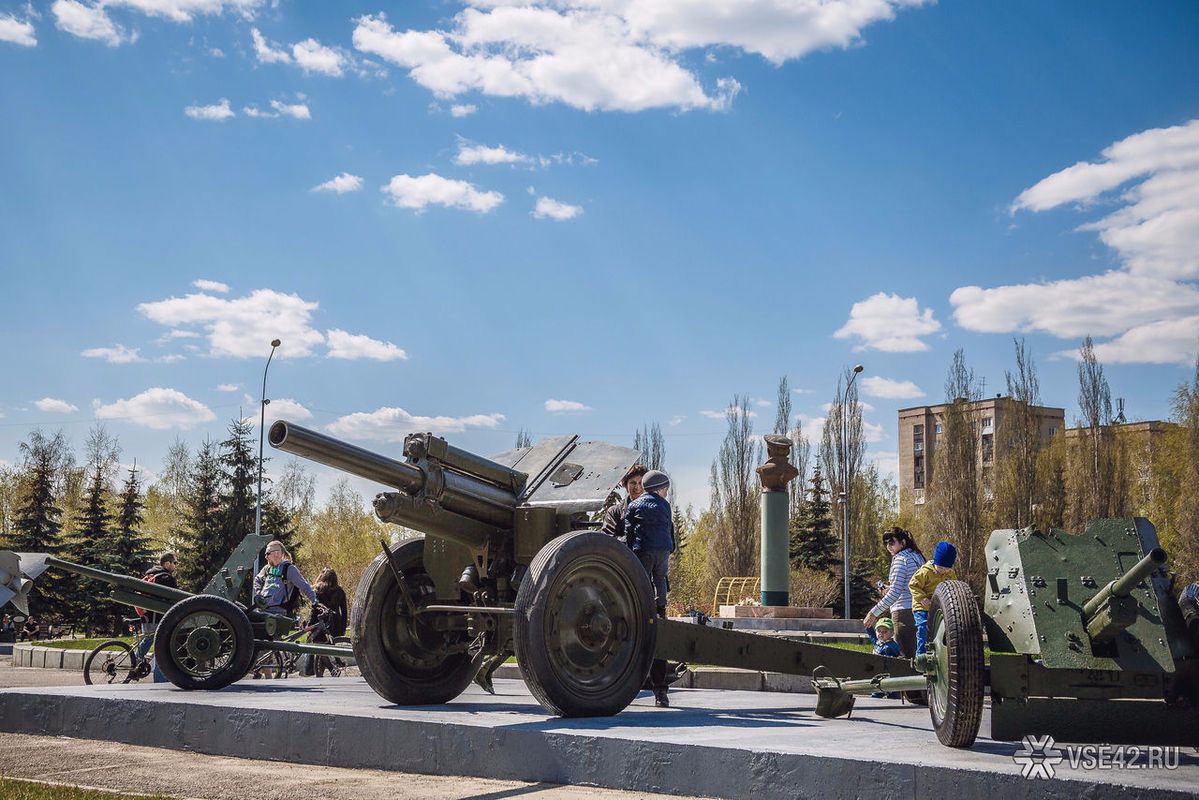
(91, 546)
(205, 550)
(129, 549)
(37, 525)
(239, 468)
(812, 542)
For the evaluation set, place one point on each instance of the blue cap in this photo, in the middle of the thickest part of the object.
(945, 554)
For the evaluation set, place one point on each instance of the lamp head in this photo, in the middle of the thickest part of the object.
(276, 343)
(857, 368)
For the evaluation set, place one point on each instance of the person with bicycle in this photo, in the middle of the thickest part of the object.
(161, 575)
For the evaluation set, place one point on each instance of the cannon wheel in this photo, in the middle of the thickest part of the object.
(404, 659)
(584, 630)
(204, 642)
(955, 695)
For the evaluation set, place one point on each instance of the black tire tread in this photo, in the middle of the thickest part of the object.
(243, 642)
(964, 640)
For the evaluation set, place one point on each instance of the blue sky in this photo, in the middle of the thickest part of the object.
(637, 208)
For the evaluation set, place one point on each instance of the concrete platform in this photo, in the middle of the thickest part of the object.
(728, 744)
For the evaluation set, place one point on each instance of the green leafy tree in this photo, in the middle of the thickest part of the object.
(812, 543)
(90, 545)
(36, 525)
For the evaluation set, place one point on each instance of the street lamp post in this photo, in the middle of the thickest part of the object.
(261, 424)
(845, 490)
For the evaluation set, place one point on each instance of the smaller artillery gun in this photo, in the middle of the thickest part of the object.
(1088, 644)
(203, 641)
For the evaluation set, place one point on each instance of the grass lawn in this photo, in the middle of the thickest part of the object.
(79, 644)
(22, 790)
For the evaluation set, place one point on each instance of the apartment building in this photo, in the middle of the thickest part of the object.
(920, 426)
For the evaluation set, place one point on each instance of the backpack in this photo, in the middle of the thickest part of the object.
(152, 577)
(293, 594)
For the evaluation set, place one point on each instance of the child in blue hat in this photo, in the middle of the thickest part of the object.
(925, 581)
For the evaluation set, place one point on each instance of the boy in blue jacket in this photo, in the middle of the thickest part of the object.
(649, 527)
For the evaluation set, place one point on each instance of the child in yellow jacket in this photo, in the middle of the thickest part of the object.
(925, 581)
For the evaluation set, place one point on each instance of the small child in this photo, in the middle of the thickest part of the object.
(924, 582)
(883, 636)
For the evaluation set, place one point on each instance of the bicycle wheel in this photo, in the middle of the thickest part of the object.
(112, 662)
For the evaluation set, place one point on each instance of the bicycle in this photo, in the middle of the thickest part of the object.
(282, 664)
(116, 661)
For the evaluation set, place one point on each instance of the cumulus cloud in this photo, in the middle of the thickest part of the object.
(211, 286)
(312, 56)
(352, 346)
(549, 208)
(91, 20)
(889, 323)
(418, 193)
(393, 424)
(625, 55)
(565, 406)
(242, 326)
(340, 184)
(217, 112)
(278, 408)
(267, 52)
(87, 22)
(890, 389)
(294, 110)
(157, 408)
(459, 110)
(53, 405)
(117, 354)
(469, 154)
(228, 387)
(17, 31)
(1150, 304)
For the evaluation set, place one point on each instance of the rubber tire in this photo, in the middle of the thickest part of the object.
(243, 642)
(91, 657)
(955, 601)
(532, 654)
(370, 652)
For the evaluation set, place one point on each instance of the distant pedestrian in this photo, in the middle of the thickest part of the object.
(614, 517)
(649, 526)
(31, 630)
(925, 581)
(906, 558)
(1188, 601)
(330, 594)
(161, 575)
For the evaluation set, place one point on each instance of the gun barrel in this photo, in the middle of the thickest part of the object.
(462, 493)
(135, 585)
(1123, 585)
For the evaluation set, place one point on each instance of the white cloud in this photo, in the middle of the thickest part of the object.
(676, 420)
(469, 154)
(1150, 306)
(296, 110)
(267, 52)
(117, 354)
(625, 55)
(243, 327)
(1170, 341)
(312, 56)
(157, 408)
(889, 323)
(218, 111)
(549, 208)
(735, 410)
(278, 408)
(187, 10)
(340, 184)
(563, 406)
(17, 31)
(87, 22)
(393, 424)
(228, 387)
(211, 286)
(763, 403)
(418, 193)
(55, 406)
(351, 346)
(891, 389)
(460, 110)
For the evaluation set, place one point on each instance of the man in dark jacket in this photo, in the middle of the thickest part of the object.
(649, 527)
(613, 522)
(161, 575)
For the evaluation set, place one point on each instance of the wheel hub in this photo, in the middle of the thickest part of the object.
(203, 644)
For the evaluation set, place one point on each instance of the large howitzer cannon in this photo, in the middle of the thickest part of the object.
(203, 641)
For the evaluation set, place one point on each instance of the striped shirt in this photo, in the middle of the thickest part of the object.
(903, 566)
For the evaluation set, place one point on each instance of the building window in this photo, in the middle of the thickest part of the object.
(918, 472)
(1052, 431)
(918, 497)
(918, 438)
(988, 426)
(988, 448)
(937, 429)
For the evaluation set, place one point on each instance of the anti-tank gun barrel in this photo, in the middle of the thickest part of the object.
(1113, 609)
(443, 490)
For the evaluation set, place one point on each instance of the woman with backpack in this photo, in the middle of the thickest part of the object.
(279, 584)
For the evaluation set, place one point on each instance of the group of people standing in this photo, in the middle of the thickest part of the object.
(898, 623)
(644, 521)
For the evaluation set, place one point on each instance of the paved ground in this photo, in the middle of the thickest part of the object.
(723, 743)
(126, 768)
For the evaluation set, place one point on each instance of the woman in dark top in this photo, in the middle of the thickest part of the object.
(332, 597)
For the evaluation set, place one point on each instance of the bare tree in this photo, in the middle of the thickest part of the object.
(1018, 432)
(1185, 539)
(734, 542)
(523, 439)
(801, 448)
(956, 491)
(842, 460)
(1097, 487)
(652, 444)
